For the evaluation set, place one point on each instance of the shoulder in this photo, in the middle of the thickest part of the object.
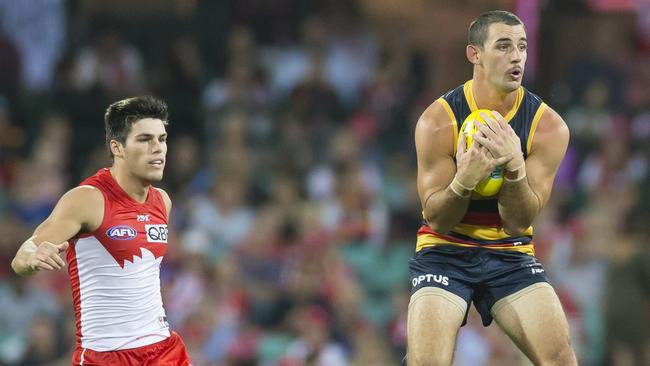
(435, 132)
(435, 117)
(551, 122)
(83, 204)
(165, 197)
(551, 129)
(85, 195)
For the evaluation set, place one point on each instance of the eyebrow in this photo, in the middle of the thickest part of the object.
(505, 39)
(149, 135)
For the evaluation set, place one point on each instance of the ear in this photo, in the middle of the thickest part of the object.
(473, 54)
(116, 148)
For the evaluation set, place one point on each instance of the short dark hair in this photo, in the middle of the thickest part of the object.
(478, 30)
(121, 115)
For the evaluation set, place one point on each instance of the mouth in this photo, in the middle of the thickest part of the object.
(157, 163)
(515, 73)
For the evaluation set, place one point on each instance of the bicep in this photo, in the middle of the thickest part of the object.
(434, 176)
(548, 148)
(434, 143)
(79, 208)
(57, 228)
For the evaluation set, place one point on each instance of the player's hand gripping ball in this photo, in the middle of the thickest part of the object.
(491, 185)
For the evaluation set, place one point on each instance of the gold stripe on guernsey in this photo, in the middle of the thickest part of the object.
(428, 240)
(533, 126)
(469, 96)
(452, 117)
(485, 232)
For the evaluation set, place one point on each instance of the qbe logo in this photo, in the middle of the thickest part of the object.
(121, 232)
(156, 233)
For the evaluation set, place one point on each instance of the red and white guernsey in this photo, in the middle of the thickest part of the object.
(115, 271)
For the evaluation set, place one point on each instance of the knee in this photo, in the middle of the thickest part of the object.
(429, 360)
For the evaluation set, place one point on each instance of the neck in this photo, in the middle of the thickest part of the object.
(134, 187)
(487, 96)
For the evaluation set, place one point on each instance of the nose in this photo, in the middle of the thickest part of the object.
(156, 146)
(516, 56)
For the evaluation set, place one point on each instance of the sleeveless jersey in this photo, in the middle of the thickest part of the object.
(481, 226)
(115, 271)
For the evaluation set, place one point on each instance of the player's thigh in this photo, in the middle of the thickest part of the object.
(434, 317)
(534, 319)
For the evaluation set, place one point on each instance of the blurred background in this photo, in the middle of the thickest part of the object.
(292, 166)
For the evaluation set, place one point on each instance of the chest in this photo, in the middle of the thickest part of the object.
(126, 231)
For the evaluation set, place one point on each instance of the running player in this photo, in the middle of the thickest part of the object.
(480, 249)
(113, 228)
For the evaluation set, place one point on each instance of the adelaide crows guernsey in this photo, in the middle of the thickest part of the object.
(481, 226)
(115, 271)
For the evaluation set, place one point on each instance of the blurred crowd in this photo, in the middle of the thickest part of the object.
(292, 170)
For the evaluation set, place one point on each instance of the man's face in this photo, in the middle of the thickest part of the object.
(503, 56)
(145, 149)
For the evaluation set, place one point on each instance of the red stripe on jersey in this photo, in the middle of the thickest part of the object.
(71, 258)
(424, 230)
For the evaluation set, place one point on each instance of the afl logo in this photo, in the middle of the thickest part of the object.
(121, 232)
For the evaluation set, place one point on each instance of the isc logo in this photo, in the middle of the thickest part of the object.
(121, 232)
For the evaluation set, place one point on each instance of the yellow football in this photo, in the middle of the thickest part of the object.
(491, 185)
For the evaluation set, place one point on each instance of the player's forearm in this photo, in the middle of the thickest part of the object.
(444, 209)
(518, 204)
(19, 263)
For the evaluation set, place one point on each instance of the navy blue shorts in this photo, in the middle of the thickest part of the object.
(478, 275)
